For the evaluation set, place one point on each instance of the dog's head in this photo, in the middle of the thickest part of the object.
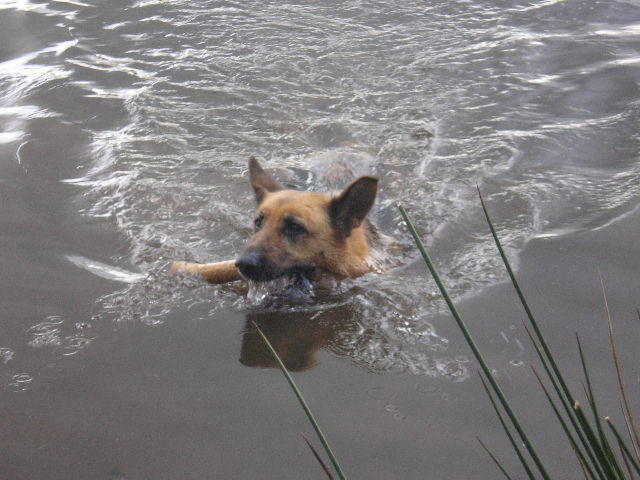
(301, 234)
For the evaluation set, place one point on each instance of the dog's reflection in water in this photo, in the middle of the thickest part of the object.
(297, 336)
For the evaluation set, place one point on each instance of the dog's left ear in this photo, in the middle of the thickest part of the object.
(261, 181)
(348, 210)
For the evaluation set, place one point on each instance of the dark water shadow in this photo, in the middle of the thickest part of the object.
(297, 336)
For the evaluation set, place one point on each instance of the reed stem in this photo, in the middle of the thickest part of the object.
(304, 405)
(474, 348)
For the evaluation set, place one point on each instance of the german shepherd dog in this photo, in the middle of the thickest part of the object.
(307, 236)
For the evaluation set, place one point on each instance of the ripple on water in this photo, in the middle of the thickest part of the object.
(53, 332)
(381, 393)
(20, 382)
(426, 388)
(6, 354)
(539, 111)
(47, 333)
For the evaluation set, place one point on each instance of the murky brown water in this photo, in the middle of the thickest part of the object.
(124, 133)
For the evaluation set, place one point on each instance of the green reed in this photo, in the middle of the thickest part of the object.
(515, 422)
(307, 411)
(587, 438)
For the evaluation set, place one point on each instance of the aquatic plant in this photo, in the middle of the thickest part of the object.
(592, 446)
(307, 411)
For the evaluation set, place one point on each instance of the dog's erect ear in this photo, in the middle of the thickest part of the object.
(348, 210)
(261, 181)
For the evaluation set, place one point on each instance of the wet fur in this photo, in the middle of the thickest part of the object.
(300, 234)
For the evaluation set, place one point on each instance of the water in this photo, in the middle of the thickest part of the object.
(125, 130)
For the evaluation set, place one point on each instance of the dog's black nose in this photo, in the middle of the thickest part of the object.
(252, 266)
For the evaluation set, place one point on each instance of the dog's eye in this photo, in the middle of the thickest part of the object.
(293, 230)
(257, 223)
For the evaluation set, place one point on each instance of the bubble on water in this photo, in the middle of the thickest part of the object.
(395, 411)
(20, 382)
(381, 393)
(47, 333)
(6, 354)
(74, 344)
(426, 388)
(50, 333)
(452, 369)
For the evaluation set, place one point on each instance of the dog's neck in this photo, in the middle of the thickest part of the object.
(351, 259)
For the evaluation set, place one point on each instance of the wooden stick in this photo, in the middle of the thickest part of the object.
(219, 272)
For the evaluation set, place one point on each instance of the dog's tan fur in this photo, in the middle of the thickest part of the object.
(308, 233)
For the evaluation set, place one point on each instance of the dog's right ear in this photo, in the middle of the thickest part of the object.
(349, 209)
(261, 181)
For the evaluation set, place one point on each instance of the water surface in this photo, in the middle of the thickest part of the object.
(125, 130)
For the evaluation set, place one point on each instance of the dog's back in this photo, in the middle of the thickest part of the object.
(337, 168)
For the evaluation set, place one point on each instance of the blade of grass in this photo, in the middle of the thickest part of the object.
(588, 390)
(324, 466)
(570, 414)
(585, 473)
(604, 442)
(471, 342)
(532, 320)
(512, 440)
(616, 361)
(495, 460)
(567, 397)
(609, 471)
(581, 458)
(629, 432)
(623, 445)
(303, 403)
(626, 463)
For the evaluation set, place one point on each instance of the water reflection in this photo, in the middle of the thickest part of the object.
(296, 336)
(378, 340)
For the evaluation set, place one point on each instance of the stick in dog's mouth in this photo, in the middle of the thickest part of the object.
(219, 272)
(227, 271)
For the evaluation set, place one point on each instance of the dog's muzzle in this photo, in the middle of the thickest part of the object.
(254, 265)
